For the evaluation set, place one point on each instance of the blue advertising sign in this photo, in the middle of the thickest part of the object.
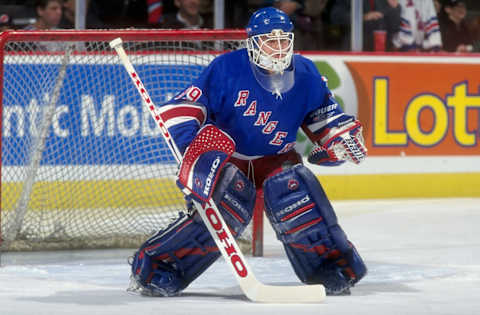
(98, 110)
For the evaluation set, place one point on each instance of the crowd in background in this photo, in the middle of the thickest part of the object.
(388, 25)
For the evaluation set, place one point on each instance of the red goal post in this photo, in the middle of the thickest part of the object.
(83, 165)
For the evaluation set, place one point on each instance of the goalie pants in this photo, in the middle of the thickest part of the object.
(258, 170)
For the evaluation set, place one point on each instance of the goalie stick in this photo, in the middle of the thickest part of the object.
(252, 288)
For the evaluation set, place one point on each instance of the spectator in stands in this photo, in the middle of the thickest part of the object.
(307, 18)
(237, 13)
(419, 29)
(68, 18)
(155, 11)
(290, 7)
(474, 29)
(5, 22)
(438, 6)
(187, 16)
(379, 15)
(49, 13)
(456, 36)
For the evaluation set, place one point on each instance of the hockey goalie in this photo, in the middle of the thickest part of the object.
(236, 127)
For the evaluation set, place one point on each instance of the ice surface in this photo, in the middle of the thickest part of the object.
(423, 258)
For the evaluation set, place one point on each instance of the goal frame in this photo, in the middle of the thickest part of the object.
(133, 35)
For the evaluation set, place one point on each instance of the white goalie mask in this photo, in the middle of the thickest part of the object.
(271, 51)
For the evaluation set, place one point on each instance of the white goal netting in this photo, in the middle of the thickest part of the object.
(83, 165)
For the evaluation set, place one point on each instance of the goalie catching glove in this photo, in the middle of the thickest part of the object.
(339, 144)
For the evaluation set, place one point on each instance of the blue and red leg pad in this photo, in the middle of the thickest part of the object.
(168, 261)
(176, 255)
(307, 225)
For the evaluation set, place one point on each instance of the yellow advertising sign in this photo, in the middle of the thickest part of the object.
(421, 117)
(411, 107)
(419, 109)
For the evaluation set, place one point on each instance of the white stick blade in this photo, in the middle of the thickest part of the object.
(288, 294)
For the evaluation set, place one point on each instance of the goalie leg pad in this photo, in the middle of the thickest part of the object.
(234, 196)
(172, 258)
(306, 224)
(175, 256)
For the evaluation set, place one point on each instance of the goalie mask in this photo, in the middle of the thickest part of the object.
(270, 49)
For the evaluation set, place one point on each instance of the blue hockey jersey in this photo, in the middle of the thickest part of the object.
(261, 123)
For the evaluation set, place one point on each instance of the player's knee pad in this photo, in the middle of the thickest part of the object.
(306, 224)
(175, 256)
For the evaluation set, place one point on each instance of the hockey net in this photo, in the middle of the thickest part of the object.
(83, 165)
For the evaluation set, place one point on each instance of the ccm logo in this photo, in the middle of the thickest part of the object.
(235, 260)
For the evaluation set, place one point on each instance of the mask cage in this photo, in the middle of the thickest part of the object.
(271, 51)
